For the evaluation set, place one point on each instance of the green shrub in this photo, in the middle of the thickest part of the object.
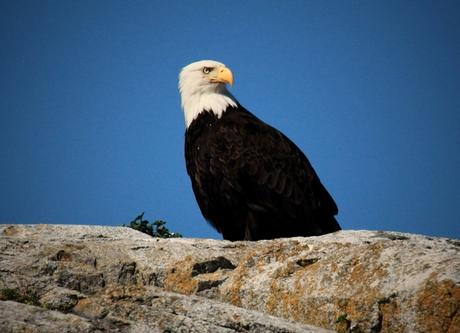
(155, 229)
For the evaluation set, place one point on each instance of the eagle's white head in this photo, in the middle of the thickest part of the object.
(202, 87)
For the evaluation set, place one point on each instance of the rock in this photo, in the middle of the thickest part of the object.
(60, 299)
(19, 317)
(117, 279)
(152, 309)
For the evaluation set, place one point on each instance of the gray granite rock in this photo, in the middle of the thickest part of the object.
(18, 317)
(118, 279)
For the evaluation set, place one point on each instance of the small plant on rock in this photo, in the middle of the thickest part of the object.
(155, 229)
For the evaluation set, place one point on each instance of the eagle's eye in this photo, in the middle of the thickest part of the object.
(207, 70)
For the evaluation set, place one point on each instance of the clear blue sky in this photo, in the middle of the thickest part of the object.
(91, 129)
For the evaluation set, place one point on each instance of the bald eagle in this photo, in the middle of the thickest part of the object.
(251, 182)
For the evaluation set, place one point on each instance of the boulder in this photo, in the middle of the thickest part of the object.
(92, 278)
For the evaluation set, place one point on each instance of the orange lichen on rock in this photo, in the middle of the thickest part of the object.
(233, 290)
(179, 278)
(438, 306)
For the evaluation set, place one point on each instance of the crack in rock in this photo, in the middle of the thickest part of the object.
(210, 266)
(306, 262)
(208, 284)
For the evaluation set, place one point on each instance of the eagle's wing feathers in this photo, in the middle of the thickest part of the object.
(274, 176)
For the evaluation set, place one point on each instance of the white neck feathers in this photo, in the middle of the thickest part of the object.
(216, 102)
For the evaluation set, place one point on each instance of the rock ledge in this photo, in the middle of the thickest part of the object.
(56, 278)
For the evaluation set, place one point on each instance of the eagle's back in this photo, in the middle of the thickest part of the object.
(251, 182)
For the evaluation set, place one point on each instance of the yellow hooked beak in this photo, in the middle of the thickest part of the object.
(224, 75)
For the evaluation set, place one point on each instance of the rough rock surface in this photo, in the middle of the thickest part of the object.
(56, 278)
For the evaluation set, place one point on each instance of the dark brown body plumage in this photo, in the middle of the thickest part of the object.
(251, 182)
